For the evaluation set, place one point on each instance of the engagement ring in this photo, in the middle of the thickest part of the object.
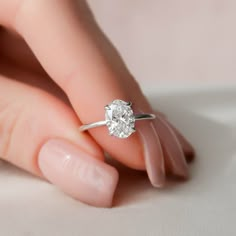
(119, 119)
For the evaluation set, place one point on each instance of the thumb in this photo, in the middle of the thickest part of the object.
(39, 133)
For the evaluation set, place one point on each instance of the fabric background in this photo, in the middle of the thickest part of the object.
(172, 40)
(205, 205)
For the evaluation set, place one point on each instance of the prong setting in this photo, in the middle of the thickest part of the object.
(107, 107)
(129, 104)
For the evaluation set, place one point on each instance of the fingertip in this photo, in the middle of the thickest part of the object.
(77, 173)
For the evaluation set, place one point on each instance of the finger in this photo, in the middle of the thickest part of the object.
(81, 61)
(175, 163)
(15, 50)
(172, 148)
(39, 133)
(186, 146)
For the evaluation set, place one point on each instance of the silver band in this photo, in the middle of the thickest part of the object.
(103, 122)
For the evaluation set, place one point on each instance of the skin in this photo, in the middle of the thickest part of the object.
(57, 71)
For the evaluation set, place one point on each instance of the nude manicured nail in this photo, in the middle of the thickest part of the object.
(186, 146)
(153, 154)
(172, 147)
(77, 173)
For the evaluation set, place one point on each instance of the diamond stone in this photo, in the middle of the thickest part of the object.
(120, 119)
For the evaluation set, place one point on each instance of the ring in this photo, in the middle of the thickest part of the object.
(119, 119)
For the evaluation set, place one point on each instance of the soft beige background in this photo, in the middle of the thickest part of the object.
(173, 40)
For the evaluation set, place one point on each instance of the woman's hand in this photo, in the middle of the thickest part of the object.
(43, 102)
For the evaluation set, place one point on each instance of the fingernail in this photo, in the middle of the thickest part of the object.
(77, 173)
(153, 155)
(186, 146)
(172, 147)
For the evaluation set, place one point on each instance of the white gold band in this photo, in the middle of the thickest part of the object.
(104, 122)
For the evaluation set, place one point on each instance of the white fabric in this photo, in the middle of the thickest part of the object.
(204, 206)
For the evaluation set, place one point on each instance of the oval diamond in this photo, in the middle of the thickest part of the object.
(120, 119)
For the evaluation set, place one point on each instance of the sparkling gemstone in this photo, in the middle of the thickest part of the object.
(120, 119)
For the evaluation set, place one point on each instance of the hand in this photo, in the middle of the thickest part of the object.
(57, 71)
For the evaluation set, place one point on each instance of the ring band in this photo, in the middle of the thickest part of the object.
(103, 122)
(119, 118)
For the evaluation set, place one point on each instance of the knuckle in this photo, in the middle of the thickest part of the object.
(9, 116)
(17, 8)
(25, 11)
